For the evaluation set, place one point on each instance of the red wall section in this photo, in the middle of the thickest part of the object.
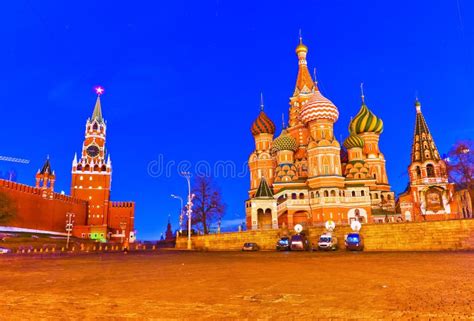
(121, 212)
(36, 212)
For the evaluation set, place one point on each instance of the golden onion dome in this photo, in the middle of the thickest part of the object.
(353, 141)
(284, 142)
(301, 48)
(365, 122)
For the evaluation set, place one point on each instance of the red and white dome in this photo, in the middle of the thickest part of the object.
(319, 107)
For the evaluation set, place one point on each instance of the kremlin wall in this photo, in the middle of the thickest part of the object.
(37, 212)
(95, 215)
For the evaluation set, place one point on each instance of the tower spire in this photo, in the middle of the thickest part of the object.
(423, 147)
(315, 78)
(304, 82)
(282, 120)
(97, 113)
(362, 92)
(261, 101)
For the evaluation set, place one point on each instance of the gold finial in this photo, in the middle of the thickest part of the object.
(301, 47)
(417, 103)
(261, 101)
(362, 92)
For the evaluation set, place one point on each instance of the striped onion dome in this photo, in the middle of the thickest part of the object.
(353, 141)
(263, 125)
(284, 142)
(319, 107)
(366, 122)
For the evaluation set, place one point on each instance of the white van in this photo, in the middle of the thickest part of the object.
(327, 242)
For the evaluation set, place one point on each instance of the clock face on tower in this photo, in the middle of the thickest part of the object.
(92, 150)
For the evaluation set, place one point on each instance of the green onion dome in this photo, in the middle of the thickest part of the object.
(353, 141)
(263, 125)
(284, 142)
(365, 122)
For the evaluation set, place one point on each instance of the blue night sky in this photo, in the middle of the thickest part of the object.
(182, 79)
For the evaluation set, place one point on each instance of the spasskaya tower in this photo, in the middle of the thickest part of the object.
(92, 172)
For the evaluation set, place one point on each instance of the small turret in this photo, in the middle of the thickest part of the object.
(45, 178)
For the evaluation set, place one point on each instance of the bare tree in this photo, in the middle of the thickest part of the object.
(7, 208)
(207, 203)
(460, 164)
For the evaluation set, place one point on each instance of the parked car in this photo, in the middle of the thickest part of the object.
(250, 247)
(4, 250)
(299, 242)
(327, 242)
(283, 244)
(354, 242)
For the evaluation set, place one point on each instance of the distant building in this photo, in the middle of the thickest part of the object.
(169, 236)
(299, 177)
(96, 216)
(429, 195)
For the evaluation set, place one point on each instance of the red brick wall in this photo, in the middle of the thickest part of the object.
(121, 212)
(36, 212)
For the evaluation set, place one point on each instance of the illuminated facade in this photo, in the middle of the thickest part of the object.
(302, 177)
(430, 196)
(95, 216)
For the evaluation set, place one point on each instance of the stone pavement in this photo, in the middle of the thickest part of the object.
(235, 285)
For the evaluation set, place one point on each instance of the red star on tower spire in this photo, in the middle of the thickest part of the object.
(99, 90)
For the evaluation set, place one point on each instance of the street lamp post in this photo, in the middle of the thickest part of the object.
(180, 212)
(123, 226)
(69, 226)
(187, 175)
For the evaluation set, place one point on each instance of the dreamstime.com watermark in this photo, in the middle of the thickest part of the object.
(160, 167)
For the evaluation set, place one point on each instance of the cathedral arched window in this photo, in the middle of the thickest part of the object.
(293, 196)
(104, 168)
(301, 196)
(333, 193)
(326, 194)
(362, 193)
(325, 166)
(430, 170)
(353, 193)
(79, 167)
(317, 194)
(418, 172)
(95, 126)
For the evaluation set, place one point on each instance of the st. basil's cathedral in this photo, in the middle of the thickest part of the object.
(304, 177)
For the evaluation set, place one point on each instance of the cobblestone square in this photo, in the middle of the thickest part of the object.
(234, 285)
